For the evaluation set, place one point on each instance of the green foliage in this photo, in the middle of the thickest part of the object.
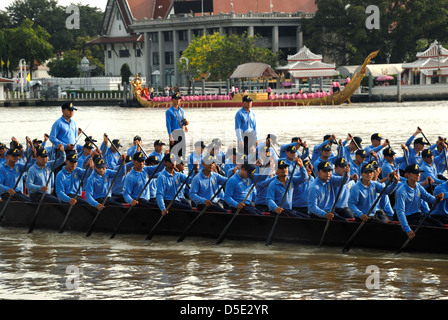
(216, 57)
(405, 25)
(66, 66)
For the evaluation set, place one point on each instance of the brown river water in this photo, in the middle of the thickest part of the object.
(48, 265)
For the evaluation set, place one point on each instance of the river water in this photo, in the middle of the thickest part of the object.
(48, 265)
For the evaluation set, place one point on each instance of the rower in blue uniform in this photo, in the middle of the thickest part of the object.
(158, 149)
(246, 127)
(269, 144)
(414, 155)
(326, 155)
(356, 164)
(300, 194)
(137, 142)
(86, 151)
(3, 150)
(364, 193)
(391, 162)
(153, 161)
(231, 165)
(136, 179)
(277, 190)
(99, 183)
(376, 147)
(266, 173)
(441, 211)
(205, 185)
(342, 208)
(68, 181)
(175, 118)
(237, 188)
(407, 201)
(111, 154)
(348, 149)
(196, 156)
(39, 174)
(9, 173)
(321, 195)
(168, 183)
(329, 139)
(429, 169)
(64, 130)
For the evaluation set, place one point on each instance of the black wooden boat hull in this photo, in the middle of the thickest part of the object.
(376, 235)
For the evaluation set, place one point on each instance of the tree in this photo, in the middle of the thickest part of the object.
(125, 73)
(339, 29)
(66, 66)
(26, 42)
(216, 57)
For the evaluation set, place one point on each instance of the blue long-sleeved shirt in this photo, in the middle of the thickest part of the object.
(429, 170)
(67, 183)
(167, 186)
(64, 132)
(236, 190)
(37, 177)
(174, 119)
(300, 195)
(276, 190)
(387, 167)
(442, 208)
(204, 188)
(97, 186)
(9, 176)
(407, 202)
(135, 181)
(245, 122)
(362, 197)
(321, 195)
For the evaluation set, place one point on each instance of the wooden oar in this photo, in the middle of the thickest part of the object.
(271, 233)
(184, 234)
(138, 197)
(33, 222)
(151, 233)
(333, 208)
(89, 232)
(224, 231)
(416, 229)
(62, 227)
(14, 188)
(89, 138)
(350, 240)
(424, 136)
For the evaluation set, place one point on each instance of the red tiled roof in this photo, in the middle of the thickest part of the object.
(5, 80)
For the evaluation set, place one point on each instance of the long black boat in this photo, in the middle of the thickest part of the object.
(376, 235)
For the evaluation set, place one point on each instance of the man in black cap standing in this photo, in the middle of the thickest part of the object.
(64, 130)
(246, 127)
(175, 119)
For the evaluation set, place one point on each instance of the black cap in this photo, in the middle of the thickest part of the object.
(209, 159)
(68, 106)
(250, 168)
(388, 152)
(127, 159)
(427, 153)
(247, 99)
(158, 143)
(89, 139)
(138, 156)
(420, 141)
(281, 164)
(73, 158)
(3, 146)
(137, 138)
(376, 136)
(37, 141)
(340, 162)
(367, 168)
(361, 152)
(199, 144)
(100, 162)
(116, 143)
(326, 148)
(176, 96)
(413, 168)
(152, 159)
(42, 152)
(13, 152)
(291, 149)
(374, 163)
(217, 142)
(358, 142)
(88, 145)
(324, 165)
(168, 157)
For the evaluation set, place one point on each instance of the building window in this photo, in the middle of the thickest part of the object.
(124, 53)
(168, 36)
(169, 57)
(138, 52)
(183, 35)
(155, 58)
(154, 37)
(109, 54)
